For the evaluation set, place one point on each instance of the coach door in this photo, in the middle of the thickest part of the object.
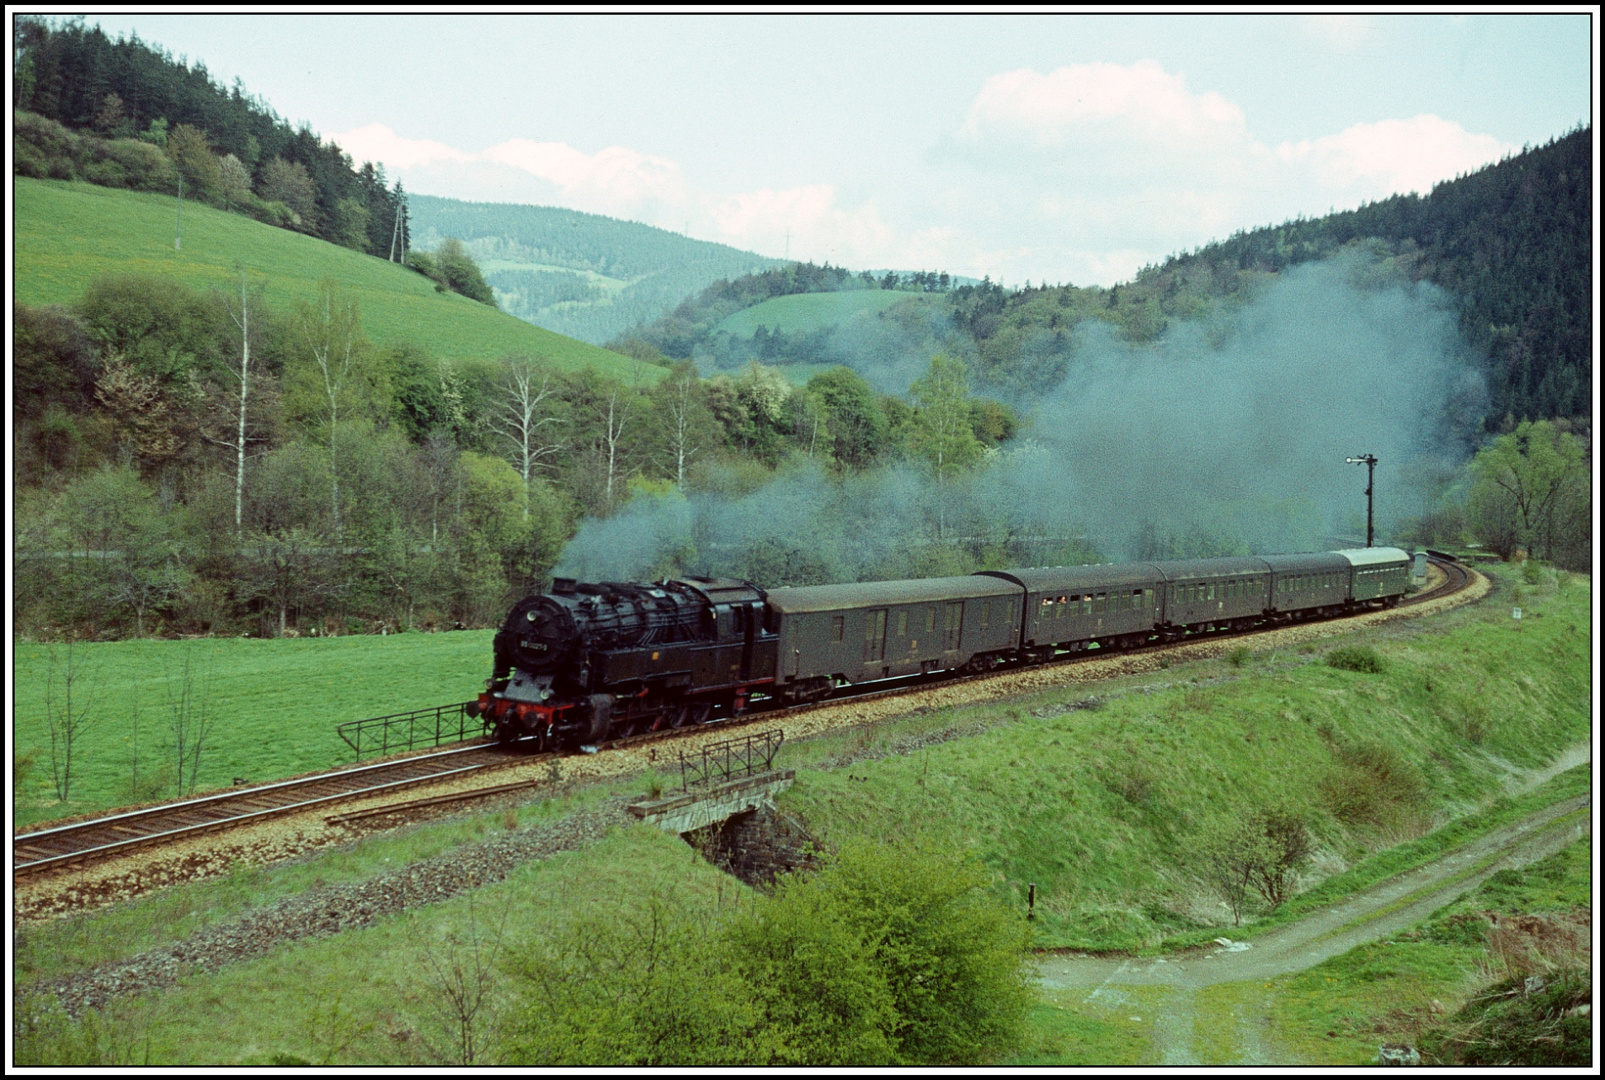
(875, 636)
(952, 626)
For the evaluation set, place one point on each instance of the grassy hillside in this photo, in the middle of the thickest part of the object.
(809, 312)
(67, 234)
(585, 275)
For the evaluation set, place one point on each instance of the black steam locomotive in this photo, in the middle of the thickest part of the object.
(588, 662)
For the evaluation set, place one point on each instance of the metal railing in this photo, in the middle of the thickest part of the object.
(726, 760)
(409, 730)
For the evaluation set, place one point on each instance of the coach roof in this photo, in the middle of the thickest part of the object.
(1056, 578)
(870, 594)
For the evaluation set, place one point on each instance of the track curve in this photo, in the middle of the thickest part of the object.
(116, 834)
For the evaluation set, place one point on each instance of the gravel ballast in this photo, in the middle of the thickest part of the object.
(332, 909)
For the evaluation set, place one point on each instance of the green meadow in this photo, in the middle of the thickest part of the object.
(806, 313)
(274, 706)
(69, 233)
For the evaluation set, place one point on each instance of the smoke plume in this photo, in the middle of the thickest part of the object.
(1224, 436)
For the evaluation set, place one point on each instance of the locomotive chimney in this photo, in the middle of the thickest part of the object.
(563, 586)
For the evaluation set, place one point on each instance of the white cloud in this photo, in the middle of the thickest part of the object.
(614, 176)
(1106, 167)
(1084, 174)
(1394, 155)
(377, 143)
(807, 220)
(1140, 101)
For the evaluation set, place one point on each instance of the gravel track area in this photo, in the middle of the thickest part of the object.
(332, 909)
(54, 894)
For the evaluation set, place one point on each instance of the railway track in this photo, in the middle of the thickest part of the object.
(120, 833)
(117, 834)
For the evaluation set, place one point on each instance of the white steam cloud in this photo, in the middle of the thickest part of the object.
(1226, 436)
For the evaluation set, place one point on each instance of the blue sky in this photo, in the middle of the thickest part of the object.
(1041, 147)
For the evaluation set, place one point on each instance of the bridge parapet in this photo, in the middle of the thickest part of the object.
(714, 803)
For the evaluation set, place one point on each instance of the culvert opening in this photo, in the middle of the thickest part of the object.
(756, 845)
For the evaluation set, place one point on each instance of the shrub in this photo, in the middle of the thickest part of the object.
(1372, 784)
(825, 1000)
(424, 263)
(42, 146)
(649, 990)
(1238, 656)
(461, 273)
(143, 167)
(1262, 851)
(950, 953)
(1361, 658)
(891, 954)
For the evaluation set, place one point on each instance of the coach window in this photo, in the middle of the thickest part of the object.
(1147, 598)
(986, 613)
(902, 624)
(930, 620)
(1098, 604)
(1010, 612)
(837, 625)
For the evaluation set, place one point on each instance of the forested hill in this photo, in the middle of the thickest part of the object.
(583, 275)
(127, 97)
(1512, 242)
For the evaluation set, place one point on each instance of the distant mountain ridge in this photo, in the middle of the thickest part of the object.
(584, 275)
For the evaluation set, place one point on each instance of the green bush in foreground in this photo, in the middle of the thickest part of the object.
(1361, 658)
(888, 955)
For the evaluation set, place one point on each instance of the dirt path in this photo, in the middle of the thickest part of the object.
(1371, 915)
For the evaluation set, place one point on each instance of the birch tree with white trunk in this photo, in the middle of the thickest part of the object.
(525, 417)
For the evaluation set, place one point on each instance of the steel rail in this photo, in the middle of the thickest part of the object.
(1457, 577)
(157, 820)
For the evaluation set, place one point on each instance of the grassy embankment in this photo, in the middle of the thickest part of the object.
(1104, 809)
(67, 234)
(1523, 689)
(360, 997)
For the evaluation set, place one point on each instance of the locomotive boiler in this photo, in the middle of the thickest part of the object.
(586, 661)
